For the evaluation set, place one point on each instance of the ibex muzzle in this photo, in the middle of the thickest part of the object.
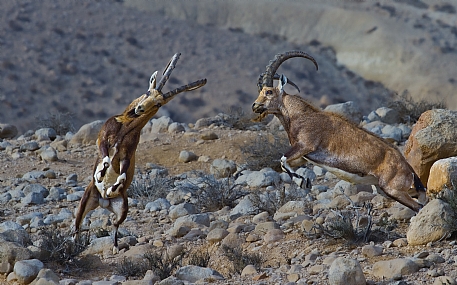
(331, 141)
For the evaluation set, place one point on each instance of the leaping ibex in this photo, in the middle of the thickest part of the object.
(117, 142)
(334, 143)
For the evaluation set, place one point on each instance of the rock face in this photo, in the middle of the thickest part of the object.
(443, 174)
(433, 137)
(430, 224)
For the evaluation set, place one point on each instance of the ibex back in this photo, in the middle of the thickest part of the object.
(331, 141)
(117, 142)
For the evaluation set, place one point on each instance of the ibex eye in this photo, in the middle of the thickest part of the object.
(269, 92)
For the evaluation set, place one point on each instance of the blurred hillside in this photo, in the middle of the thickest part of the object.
(90, 59)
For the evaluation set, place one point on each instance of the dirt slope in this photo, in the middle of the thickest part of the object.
(92, 59)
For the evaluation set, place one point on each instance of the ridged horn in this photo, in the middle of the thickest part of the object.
(267, 79)
(167, 72)
(191, 86)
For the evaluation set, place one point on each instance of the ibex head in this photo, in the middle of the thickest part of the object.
(269, 100)
(149, 103)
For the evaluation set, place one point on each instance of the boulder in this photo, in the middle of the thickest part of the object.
(346, 271)
(7, 131)
(433, 137)
(443, 174)
(394, 268)
(87, 134)
(348, 110)
(431, 223)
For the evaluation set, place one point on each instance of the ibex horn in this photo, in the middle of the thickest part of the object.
(268, 76)
(167, 72)
(191, 86)
(275, 77)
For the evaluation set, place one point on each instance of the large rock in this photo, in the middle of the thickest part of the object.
(433, 137)
(7, 131)
(88, 133)
(395, 268)
(442, 174)
(431, 223)
(346, 271)
(348, 110)
(193, 273)
(27, 270)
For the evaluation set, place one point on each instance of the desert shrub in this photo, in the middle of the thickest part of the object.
(353, 225)
(199, 257)
(238, 119)
(150, 189)
(62, 249)
(271, 201)
(410, 110)
(213, 194)
(240, 259)
(161, 264)
(265, 151)
(158, 262)
(62, 123)
(129, 267)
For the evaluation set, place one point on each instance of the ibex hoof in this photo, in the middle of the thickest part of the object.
(115, 250)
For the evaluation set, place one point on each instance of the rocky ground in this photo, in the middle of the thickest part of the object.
(40, 190)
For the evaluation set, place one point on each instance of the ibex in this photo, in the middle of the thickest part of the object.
(117, 142)
(331, 141)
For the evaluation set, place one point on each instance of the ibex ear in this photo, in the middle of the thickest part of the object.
(282, 82)
(152, 81)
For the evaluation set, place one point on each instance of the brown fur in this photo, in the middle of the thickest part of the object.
(330, 140)
(117, 141)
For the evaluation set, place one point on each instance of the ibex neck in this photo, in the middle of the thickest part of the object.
(293, 106)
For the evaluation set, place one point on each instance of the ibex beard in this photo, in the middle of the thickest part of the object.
(331, 141)
(117, 141)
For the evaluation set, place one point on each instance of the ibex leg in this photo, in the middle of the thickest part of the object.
(89, 202)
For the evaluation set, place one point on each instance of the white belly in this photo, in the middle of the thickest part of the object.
(347, 176)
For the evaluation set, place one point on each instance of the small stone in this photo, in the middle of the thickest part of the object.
(187, 156)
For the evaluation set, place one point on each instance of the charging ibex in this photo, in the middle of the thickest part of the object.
(334, 143)
(117, 142)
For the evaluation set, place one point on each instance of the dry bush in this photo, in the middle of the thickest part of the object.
(199, 257)
(148, 190)
(241, 259)
(353, 225)
(129, 267)
(265, 152)
(161, 264)
(410, 110)
(271, 201)
(238, 119)
(62, 123)
(62, 249)
(213, 194)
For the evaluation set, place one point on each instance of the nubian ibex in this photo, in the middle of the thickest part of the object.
(331, 141)
(117, 142)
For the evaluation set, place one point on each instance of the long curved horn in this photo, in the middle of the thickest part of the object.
(267, 79)
(167, 72)
(188, 87)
